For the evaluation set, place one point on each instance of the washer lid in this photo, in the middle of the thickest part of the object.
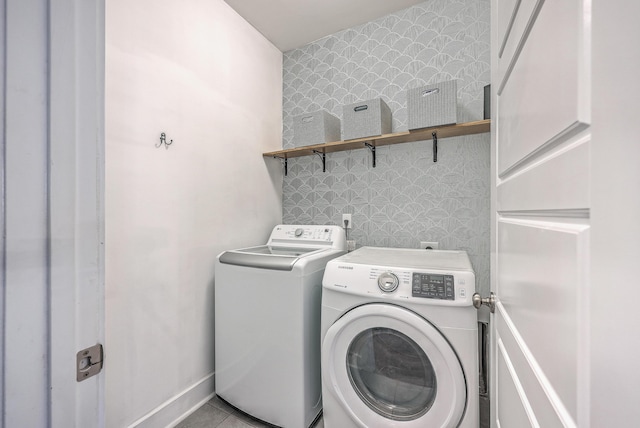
(267, 256)
(385, 363)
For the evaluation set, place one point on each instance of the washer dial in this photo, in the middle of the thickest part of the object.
(388, 282)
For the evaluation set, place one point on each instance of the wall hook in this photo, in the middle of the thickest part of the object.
(163, 140)
(434, 135)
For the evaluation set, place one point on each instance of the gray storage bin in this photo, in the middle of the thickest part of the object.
(432, 105)
(315, 128)
(366, 119)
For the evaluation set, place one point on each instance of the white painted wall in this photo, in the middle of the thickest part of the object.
(198, 72)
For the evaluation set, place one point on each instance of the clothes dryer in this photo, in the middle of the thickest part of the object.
(267, 324)
(399, 340)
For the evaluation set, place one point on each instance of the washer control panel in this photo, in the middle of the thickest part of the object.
(308, 236)
(303, 233)
(309, 233)
(432, 286)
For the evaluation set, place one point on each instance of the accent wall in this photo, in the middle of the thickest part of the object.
(406, 198)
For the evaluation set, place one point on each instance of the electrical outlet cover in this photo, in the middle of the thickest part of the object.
(428, 245)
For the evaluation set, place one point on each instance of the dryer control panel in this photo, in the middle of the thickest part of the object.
(436, 277)
(433, 286)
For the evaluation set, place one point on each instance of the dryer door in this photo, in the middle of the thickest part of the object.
(385, 363)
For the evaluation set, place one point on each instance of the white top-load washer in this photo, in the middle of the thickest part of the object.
(267, 324)
(399, 340)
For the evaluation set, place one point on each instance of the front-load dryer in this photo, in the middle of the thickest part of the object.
(399, 340)
(267, 324)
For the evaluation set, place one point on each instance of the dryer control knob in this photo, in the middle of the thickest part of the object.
(299, 231)
(388, 282)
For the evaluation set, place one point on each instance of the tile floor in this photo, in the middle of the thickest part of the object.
(215, 413)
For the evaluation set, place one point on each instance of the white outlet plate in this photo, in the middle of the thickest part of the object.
(431, 245)
(348, 218)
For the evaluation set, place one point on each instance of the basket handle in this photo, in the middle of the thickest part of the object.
(430, 91)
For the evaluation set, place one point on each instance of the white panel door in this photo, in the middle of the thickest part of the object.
(52, 195)
(615, 214)
(541, 212)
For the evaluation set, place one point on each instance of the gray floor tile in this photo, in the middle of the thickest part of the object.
(205, 417)
(249, 421)
(217, 402)
(233, 422)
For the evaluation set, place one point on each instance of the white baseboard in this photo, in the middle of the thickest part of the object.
(178, 407)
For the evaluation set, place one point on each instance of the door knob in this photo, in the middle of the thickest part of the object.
(488, 301)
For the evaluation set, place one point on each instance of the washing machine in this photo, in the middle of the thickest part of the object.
(267, 324)
(399, 340)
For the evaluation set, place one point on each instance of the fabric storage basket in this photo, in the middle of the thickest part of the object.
(432, 105)
(315, 128)
(366, 119)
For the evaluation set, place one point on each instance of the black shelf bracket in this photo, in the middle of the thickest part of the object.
(434, 135)
(372, 149)
(322, 156)
(285, 164)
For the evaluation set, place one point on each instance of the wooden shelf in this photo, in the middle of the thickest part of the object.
(467, 128)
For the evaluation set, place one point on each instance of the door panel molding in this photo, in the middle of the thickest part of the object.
(566, 171)
(542, 101)
(513, 41)
(538, 394)
(511, 394)
(559, 215)
(507, 12)
(541, 267)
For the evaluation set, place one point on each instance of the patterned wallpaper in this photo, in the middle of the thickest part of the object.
(406, 198)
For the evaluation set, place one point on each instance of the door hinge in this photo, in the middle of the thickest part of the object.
(89, 362)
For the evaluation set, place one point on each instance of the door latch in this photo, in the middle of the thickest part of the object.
(89, 362)
(487, 301)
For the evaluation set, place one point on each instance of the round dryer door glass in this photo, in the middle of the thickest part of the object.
(391, 374)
